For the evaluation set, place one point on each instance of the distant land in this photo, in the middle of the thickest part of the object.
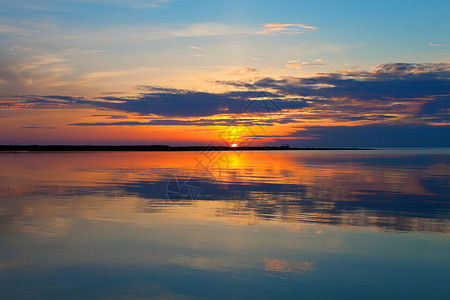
(14, 148)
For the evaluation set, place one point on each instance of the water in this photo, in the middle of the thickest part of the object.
(201, 225)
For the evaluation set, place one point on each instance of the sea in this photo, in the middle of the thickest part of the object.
(309, 224)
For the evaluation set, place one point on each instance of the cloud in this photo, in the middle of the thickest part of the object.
(158, 101)
(40, 71)
(180, 103)
(277, 28)
(7, 29)
(53, 5)
(194, 47)
(244, 72)
(110, 116)
(134, 3)
(377, 135)
(297, 64)
(293, 65)
(437, 45)
(175, 122)
(55, 36)
(386, 82)
(436, 111)
(407, 98)
(39, 127)
(407, 91)
(168, 103)
(390, 93)
(251, 70)
(205, 29)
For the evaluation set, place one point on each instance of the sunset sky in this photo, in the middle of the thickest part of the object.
(305, 73)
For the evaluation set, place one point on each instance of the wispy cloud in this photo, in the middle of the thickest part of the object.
(437, 45)
(297, 64)
(7, 29)
(207, 29)
(41, 71)
(176, 122)
(251, 70)
(52, 5)
(277, 28)
(195, 48)
(53, 35)
(134, 3)
(244, 71)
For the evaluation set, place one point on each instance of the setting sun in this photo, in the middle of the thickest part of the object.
(234, 145)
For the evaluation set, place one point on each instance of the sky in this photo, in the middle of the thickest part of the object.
(178, 72)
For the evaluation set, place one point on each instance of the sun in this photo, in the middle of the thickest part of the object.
(234, 146)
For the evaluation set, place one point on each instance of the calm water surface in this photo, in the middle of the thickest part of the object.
(223, 225)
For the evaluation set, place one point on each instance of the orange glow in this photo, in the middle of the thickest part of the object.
(234, 146)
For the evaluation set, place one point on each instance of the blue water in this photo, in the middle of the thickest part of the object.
(250, 225)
